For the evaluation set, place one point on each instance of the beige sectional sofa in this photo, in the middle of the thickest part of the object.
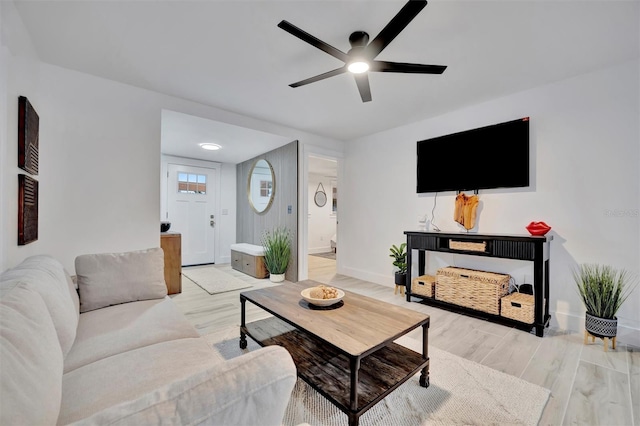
(121, 352)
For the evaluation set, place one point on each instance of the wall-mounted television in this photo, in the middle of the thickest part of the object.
(495, 156)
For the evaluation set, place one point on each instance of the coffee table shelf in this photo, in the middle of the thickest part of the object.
(328, 371)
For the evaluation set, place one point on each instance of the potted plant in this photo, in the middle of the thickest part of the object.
(603, 289)
(277, 252)
(399, 255)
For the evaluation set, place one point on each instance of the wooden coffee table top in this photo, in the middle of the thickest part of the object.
(360, 326)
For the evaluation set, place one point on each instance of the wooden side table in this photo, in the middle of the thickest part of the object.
(171, 243)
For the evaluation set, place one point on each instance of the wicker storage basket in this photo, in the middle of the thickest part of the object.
(519, 306)
(423, 285)
(468, 246)
(477, 290)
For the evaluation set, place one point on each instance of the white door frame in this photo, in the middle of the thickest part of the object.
(303, 203)
(164, 198)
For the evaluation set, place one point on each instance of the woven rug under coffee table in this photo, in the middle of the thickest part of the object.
(346, 353)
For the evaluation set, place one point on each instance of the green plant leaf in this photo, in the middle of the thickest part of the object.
(399, 254)
(603, 289)
(277, 249)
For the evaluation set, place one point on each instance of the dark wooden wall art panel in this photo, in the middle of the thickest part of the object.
(27, 209)
(28, 124)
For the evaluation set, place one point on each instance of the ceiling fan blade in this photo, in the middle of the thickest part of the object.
(384, 66)
(394, 27)
(315, 42)
(319, 77)
(362, 80)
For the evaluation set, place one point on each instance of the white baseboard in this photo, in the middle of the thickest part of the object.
(224, 259)
(361, 274)
(575, 323)
(317, 250)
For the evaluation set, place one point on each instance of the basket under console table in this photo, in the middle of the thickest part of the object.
(519, 247)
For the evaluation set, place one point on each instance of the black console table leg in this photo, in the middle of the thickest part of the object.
(243, 336)
(424, 375)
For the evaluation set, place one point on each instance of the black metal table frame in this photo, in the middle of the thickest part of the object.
(352, 412)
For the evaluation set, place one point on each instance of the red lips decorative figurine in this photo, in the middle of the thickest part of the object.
(538, 228)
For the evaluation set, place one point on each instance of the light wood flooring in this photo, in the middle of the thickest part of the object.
(588, 386)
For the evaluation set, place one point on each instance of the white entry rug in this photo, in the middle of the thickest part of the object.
(461, 392)
(213, 280)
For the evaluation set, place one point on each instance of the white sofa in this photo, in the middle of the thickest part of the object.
(121, 352)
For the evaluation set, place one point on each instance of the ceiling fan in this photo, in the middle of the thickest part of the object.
(361, 57)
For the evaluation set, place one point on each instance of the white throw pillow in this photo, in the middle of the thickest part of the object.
(113, 278)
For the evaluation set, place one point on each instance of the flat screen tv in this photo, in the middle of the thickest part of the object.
(495, 156)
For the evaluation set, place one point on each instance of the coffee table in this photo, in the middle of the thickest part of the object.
(346, 351)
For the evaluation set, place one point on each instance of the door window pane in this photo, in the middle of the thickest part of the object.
(190, 183)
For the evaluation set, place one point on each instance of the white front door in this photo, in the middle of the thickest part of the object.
(191, 211)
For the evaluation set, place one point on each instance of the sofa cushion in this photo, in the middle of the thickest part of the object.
(30, 358)
(120, 328)
(130, 375)
(73, 291)
(113, 278)
(252, 389)
(47, 276)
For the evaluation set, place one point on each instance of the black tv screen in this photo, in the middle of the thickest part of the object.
(495, 156)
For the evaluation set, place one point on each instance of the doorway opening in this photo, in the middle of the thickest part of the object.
(322, 217)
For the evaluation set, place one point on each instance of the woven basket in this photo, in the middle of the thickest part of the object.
(467, 246)
(519, 306)
(473, 289)
(423, 285)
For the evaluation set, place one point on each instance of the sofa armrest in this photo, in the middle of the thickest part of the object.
(252, 389)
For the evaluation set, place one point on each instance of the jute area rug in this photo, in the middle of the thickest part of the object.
(461, 392)
(214, 281)
(329, 255)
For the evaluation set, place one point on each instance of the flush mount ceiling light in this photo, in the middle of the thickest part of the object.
(358, 67)
(210, 146)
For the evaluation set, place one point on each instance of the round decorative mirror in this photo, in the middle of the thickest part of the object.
(320, 197)
(261, 186)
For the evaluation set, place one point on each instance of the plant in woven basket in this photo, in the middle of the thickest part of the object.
(277, 250)
(603, 289)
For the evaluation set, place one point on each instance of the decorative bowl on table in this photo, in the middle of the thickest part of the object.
(316, 295)
(538, 228)
(164, 226)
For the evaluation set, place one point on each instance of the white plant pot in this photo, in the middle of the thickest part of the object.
(276, 278)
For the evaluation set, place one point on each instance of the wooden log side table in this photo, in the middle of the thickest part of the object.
(171, 243)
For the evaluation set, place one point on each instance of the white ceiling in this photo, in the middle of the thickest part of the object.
(182, 135)
(232, 55)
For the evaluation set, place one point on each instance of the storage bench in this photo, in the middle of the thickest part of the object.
(249, 258)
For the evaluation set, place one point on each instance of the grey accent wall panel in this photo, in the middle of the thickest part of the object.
(284, 209)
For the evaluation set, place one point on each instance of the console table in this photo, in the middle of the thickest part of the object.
(520, 247)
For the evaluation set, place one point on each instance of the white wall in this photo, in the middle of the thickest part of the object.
(99, 155)
(322, 221)
(585, 157)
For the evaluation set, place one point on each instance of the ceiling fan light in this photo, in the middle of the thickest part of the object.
(210, 146)
(358, 67)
